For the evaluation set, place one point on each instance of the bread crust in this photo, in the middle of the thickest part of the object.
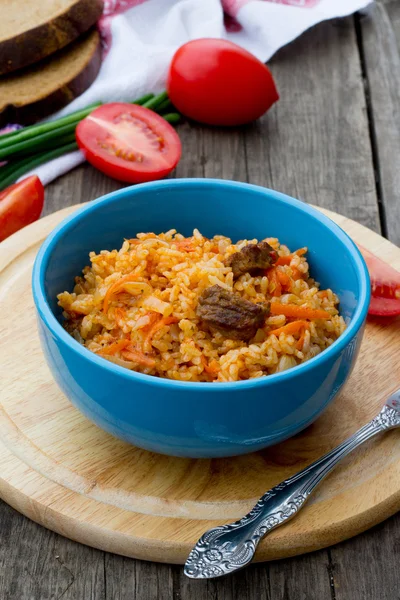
(39, 42)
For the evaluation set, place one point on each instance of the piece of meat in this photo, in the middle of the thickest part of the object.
(252, 259)
(226, 312)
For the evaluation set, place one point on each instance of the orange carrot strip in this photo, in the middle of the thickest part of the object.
(185, 245)
(158, 325)
(119, 315)
(290, 328)
(116, 287)
(284, 279)
(274, 280)
(296, 274)
(301, 251)
(299, 312)
(212, 368)
(139, 358)
(300, 343)
(114, 347)
(153, 316)
(284, 260)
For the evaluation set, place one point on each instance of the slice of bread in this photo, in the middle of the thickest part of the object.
(30, 30)
(37, 91)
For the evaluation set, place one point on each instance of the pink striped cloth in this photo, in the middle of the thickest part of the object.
(141, 36)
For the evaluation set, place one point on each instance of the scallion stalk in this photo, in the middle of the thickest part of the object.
(27, 164)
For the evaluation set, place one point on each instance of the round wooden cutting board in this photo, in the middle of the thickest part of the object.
(63, 472)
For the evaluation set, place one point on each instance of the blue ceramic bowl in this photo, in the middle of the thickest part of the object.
(199, 419)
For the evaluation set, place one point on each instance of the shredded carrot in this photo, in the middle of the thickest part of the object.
(116, 287)
(215, 249)
(133, 241)
(290, 328)
(114, 347)
(138, 357)
(299, 312)
(275, 286)
(300, 343)
(284, 279)
(286, 260)
(212, 368)
(185, 245)
(153, 317)
(296, 274)
(158, 325)
(119, 315)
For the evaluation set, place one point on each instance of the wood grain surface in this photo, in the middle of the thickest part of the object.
(65, 473)
(37, 564)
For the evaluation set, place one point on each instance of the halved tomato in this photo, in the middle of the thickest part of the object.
(128, 142)
(385, 286)
(20, 205)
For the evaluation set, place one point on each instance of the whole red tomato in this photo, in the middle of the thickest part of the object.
(217, 82)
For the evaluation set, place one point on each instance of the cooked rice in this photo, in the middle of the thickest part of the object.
(150, 325)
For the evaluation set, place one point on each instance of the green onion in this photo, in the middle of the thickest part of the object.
(165, 106)
(172, 118)
(156, 101)
(23, 166)
(143, 99)
(30, 132)
(39, 142)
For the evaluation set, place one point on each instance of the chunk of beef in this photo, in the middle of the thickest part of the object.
(252, 259)
(226, 312)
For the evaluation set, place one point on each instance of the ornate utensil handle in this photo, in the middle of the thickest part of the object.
(229, 547)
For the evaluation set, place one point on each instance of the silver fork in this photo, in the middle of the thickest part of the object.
(228, 548)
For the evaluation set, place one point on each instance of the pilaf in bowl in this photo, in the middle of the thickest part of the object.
(200, 309)
(154, 360)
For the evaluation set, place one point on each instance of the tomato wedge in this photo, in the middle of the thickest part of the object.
(20, 205)
(128, 142)
(385, 286)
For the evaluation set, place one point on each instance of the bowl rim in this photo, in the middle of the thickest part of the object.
(49, 319)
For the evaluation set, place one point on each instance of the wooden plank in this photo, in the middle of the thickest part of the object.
(37, 564)
(128, 579)
(223, 153)
(379, 37)
(379, 41)
(368, 564)
(280, 580)
(314, 143)
(80, 185)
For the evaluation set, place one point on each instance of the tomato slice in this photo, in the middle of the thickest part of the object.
(384, 307)
(385, 286)
(20, 205)
(128, 142)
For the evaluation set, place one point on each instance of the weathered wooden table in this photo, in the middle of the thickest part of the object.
(333, 140)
